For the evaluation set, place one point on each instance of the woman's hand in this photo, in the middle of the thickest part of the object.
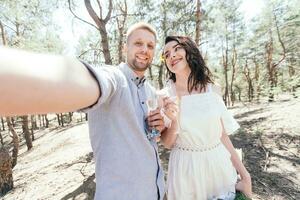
(170, 108)
(245, 186)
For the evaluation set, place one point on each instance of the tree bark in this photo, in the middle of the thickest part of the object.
(4, 42)
(225, 68)
(26, 132)
(101, 24)
(121, 25)
(1, 139)
(6, 177)
(2, 123)
(46, 120)
(198, 23)
(233, 64)
(15, 140)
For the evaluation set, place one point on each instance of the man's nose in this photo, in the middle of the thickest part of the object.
(144, 48)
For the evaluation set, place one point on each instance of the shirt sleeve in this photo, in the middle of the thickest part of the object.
(107, 79)
(230, 124)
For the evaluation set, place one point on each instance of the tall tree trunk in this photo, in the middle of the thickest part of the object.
(2, 123)
(33, 122)
(233, 63)
(1, 139)
(198, 23)
(40, 121)
(249, 81)
(58, 119)
(6, 177)
(62, 119)
(70, 116)
(46, 120)
(121, 22)
(164, 28)
(256, 78)
(225, 68)
(4, 42)
(26, 132)
(101, 24)
(15, 140)
(33, 126)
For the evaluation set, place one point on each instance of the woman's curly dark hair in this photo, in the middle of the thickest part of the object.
(200, 75)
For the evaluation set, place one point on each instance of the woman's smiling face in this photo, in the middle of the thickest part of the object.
(175, 58)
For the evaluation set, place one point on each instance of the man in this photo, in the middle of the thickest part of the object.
(127, 162)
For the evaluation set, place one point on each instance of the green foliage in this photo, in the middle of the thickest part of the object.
(241, 196)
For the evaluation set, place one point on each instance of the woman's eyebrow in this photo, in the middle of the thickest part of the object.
(172, 48)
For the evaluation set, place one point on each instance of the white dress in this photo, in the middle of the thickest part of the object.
(200, 167)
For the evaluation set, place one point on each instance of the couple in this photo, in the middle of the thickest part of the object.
(127, 163)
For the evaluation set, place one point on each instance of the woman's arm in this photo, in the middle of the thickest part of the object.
(245, 184)
(32, 83)
(169, 135)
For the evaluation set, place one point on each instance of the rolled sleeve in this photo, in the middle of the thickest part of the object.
(106, 77)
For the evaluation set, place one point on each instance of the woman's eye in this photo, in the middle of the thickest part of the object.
(177, 48)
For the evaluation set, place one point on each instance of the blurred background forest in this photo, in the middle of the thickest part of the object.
(252, 48)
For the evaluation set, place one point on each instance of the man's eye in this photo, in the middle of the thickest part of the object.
(138, 43)
(150, 46)
(166, 56)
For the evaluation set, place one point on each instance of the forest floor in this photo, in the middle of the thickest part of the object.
(61, 166)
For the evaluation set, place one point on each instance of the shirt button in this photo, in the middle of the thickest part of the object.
(143, 102)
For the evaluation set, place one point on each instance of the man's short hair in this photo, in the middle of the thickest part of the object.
(140, 25)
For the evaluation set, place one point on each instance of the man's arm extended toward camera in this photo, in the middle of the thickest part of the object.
(32, 83)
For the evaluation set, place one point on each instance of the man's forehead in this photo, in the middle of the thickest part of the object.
(142, 35)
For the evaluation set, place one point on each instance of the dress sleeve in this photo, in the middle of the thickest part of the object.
(107, 79)
(230, 124)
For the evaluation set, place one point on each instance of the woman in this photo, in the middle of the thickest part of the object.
(203, 161)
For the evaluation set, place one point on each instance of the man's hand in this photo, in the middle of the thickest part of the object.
(155, 120)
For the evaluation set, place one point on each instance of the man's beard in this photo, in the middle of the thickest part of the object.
(139, 66)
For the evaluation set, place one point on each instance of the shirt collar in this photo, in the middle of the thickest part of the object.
(130, 75)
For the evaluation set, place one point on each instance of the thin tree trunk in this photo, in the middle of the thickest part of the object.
(198, 23)
(62, 119)
(15, 140)
(33, 126)
(6, 177)
(26, 132)
(46, 120)
(1, 139)
(4, 42)
(101, 24)
(2, 123)
(40, 121)
(233, 63)
(70, 116)
(121, 26)
(58, 119)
